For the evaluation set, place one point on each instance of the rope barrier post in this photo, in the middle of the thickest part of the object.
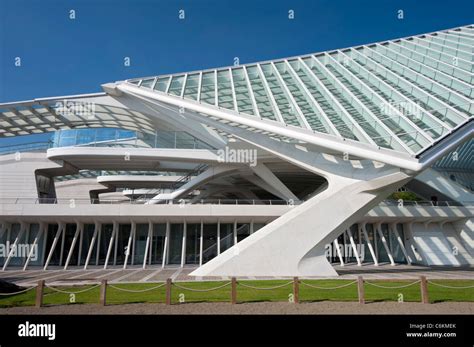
(424, 290)
(168, 291)
(360, 289)
(39, 294)
(296, 290)
(103, 293)
(233, 291)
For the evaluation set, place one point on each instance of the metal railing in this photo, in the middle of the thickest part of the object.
(425, 203)
(73, 201)
(26, 147)
(273, 202)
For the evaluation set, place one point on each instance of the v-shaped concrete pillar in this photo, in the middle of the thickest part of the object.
(294, 244)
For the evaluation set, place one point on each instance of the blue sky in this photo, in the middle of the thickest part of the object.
(61, 56)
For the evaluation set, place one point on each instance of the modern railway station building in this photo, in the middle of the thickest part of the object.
(277, 168)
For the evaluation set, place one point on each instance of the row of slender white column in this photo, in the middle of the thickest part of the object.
(59, 241)
(362, 229)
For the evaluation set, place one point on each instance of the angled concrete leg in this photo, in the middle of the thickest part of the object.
(304, 232)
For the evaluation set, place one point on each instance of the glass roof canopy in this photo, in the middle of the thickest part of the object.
(68, 112)
(401, 94)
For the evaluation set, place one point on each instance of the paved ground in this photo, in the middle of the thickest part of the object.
(325, 307)
(158, 274)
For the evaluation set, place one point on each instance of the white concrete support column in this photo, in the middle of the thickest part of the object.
(61, 227)
(346, 243)
(378, 227)
(418, 256)
(354, 247)
(134, 237)
(361, 247)
(338, 251)
(99, 235)
(79, 253)
(147, 246)
(45, 233)
(369, 244)
(116, 245)
(235, 232)
(91, 247)
(166, 248)
(111, 243)
(129, 244)
(79, 227)
(40, 233)
(183, 246)
(150, 250)
(393, 229)
(63, 239)
(23, 227)
(201, 238)
(218, 237)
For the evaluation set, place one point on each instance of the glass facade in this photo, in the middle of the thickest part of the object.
(209, 242)
(96, 241)
(400, 95)
(167, 239)
(175, 243)
(362, 247)
(157, 245)
(112, 137)
(139, 245)
(226, 236)
(193, 243)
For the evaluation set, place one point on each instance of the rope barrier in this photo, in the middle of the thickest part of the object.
(265, 288)
(329, 288)
(15, 293)
(392, 287)
(201, 290)
(67, 292)
(136, 291)
(450, 287)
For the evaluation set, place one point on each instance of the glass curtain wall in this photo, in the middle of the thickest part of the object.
(121, 243)
(209, 247)
(87, 235)
(193, 237)
(395, 247)
(243, 231)
(158, 243)
(176, 243)
(51, 233)
(141, 235)
(381, 251)
(227, 236)
(38, 254)
(103, 242)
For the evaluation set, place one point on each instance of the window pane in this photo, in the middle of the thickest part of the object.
(209, 247)
(176, 85)
(176, 243)
(162, 84)
(227, 236)
(208, 88)
(192, 85)
(193, 236)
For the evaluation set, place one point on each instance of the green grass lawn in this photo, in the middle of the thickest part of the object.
(245, 294)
